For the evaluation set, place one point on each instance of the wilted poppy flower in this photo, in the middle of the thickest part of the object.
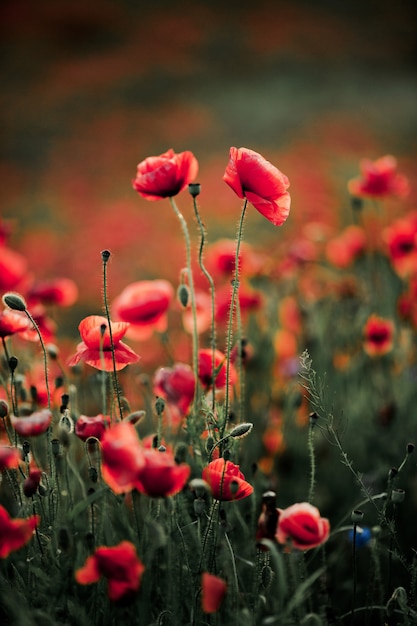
(12, 322)
(144, 304)
(301, 526)
(378, 335)
(95, 349)
(226, 480)
(119, 564)
(161, 476)
(9, 457)
(58, 291)
(32, 425)
(165, 175)
(94, 426)
(401, 240)
(379, 178)
(176, 385)
(122, 457)
(261, 183)
(13, 267)
(213, 590)
(205, 373)
(15, 533)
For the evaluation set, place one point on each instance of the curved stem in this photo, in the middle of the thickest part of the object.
(45, 357)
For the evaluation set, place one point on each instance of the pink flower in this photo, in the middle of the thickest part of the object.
(166, 175)
(301, 526)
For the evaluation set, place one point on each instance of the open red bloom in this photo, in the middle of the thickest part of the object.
(379, 178)
(59, 291)
(15, 533)
(12, 322)
(301, 526)
(226, 480)
(122, 456)
(213, 590)
(9, 457)
(176, 385)
(93, 339)
(261, 183)
(165, 175)
(378, 335)
(161, 476)
(144, 304)
(119, 564)
(32, 425)
(94, 426)
(401, 240)
(205, 373)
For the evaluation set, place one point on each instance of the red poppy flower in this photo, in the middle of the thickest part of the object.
(144, 304)
(15, 533)
(9, 457)
(46, 325)
(122, 456)
(161, 476)
(165, 175)
(176, 385)
(379, 178)
(401, 239)
(261, 183)
(12, 322)
(119, 564)
(32, 425)
(249, 300)
(226, 480)
(32, 481)
(378, 336)
(58, 291)
(213, 590)
(221, 258)
(13, 267)
(341, 251)
(95, 426)
(205, 373)
(93, 339)
(301, 526)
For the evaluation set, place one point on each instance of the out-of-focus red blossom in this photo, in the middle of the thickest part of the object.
(46, 325)
(203, 313)
(12, 322)
(161, 476)
(302, 527)
(213, 590)
(13, 268)
(58, 291)
(401, 240)
(165, 175)
(144, 304)
(249, 300)
(32, 425)
(379, 179)
(93, 338)
(289, 314)
(119, 564)
(9, 457)
(261, 183)
(32, 481)
(226, 481)
(221, 257)
(378, 335)
(205, 373)
(341, 251)
(122, 457)
(407, 303)
(93, 426)
(176, 385)
(15, 533)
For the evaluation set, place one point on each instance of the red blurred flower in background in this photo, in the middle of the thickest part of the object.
(15, 533)
(161, 476)
(13, 268)
(94, 426)
(9, 457)
(32, 481)
(249, 301)
(165, 175)
(213, 590)
(379, 179)
(378, 335)
(95, 349)
(58, 291)
(302, 527)
(122, 457)
(176, 385)
(12, 322)
(261, 183)
(32, 425)
(401, 240)
(119, 564)
(342, 250)
(226, 481)
(144, 304)
(205, 373)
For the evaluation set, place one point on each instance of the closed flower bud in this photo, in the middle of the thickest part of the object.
(240, 431)
(159, 405)
(93, 474)
(13, 363)
(183, 295)
(410, 448)
(14, 301)
(266, 576)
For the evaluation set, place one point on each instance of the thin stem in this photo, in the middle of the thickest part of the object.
(354, 567)
(45, 356)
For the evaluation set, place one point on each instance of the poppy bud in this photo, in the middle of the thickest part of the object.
(194, 189)
(14, 301)
(183, 295)
(4, 409)
(13, 363)
(105, 255)
(410, 448)
(240, 431)
(266, 576)
(159, 405)
(93, 474)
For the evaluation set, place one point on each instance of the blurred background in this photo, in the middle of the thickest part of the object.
(90, 88)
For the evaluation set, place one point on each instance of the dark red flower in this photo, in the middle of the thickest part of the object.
(32, 425)
(379, 178)
(261, 183)
(144, 304)
(32, 481)
(165, 175)
(226, 481)
(12, 322)
(95, 426)
(119, 564)
(378, 335)
(9, 457)
(213, 590)
(301, 526)
(95, 349)
(205, 373)
(176, 385)
(122, 456)
(58, 291)
(161, 476)
(15, 533)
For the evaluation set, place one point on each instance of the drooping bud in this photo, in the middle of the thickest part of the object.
(241, 430)
(14, 301)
